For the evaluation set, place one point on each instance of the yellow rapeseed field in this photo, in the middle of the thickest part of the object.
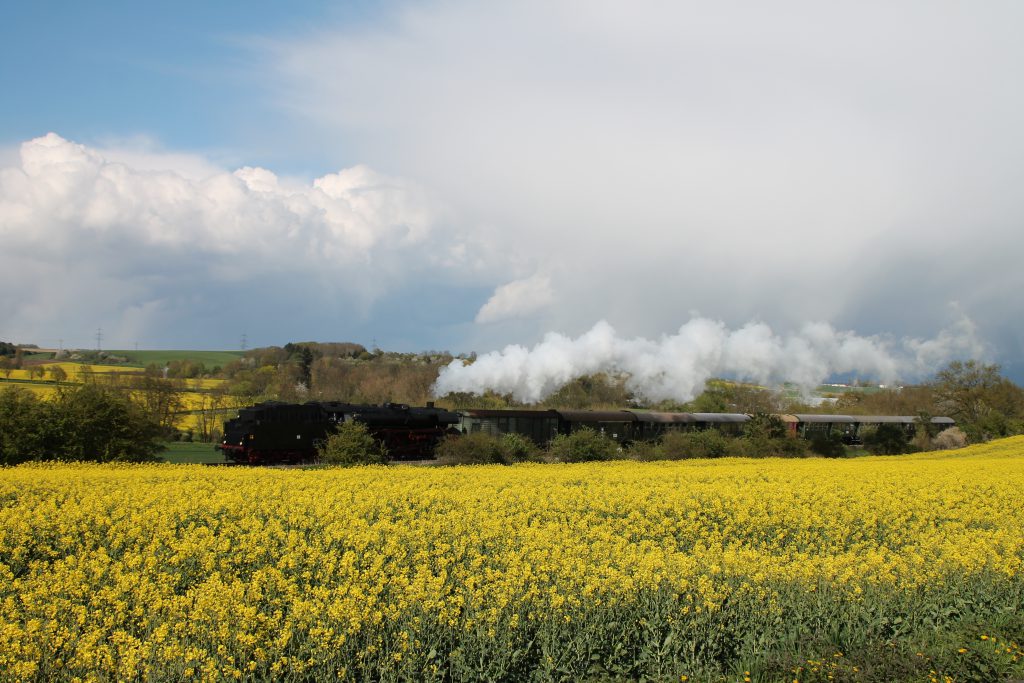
(730, 569)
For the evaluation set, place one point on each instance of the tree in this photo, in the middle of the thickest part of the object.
(57, 374)
(161, 399)
(87, 422)
(213, 410)
(714, 399)
(92, 422)
(352, 444)
(24, 422)
(983, 402)
(888, 439)
(827, 445)
(764, 426)
(765, 435)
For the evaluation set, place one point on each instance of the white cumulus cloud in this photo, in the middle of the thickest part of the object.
(517, 299)
(90, 241)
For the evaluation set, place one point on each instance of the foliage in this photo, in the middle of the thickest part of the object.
(25, 432)
(161, 399)
(644, 451)
(983, 402)
(909, 400)
(352, 444)
(476, 448)
(881, 569)
(8, 349)
(86, 422)
(590, 391)
(951, 438)
(827, 445)
(583, 445)
(709, 443)
(95, 423)
(888, 439)
(481, 448)
(764, 426)
(518, 448)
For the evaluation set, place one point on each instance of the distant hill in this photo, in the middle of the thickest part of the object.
(207, 358)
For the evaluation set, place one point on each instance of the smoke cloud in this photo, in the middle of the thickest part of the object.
(677, 366)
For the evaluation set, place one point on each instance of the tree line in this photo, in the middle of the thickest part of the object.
(984, 403)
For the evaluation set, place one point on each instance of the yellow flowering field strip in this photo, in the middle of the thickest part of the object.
(699, 570)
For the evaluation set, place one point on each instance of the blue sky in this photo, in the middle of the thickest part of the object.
(459, 175)
(177, 72)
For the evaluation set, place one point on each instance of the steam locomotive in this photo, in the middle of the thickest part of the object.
(273, 432)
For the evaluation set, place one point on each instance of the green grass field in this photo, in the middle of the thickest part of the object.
(209, 358)
(184, 453)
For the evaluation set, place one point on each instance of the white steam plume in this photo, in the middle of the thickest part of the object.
(677, 366)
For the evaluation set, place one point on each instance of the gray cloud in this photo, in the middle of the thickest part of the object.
(853, 163)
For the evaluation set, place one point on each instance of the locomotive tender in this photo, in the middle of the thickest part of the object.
(273, 432)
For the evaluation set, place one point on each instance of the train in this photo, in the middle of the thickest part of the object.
(281, 433)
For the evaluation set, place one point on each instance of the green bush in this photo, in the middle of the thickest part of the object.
(518, 448)
(888, 439)
(764, 426)
(709, 443)
(476, 448)
(26, 431)
(828, 445)
(644, 451)
(352, 444)
(584, 445)
(85, 422)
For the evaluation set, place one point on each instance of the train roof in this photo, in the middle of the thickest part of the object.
(597, 415)
(514, 412)
(900, 419)
(868, 419)
(671, 418)
(720, 417)
(830, 419)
